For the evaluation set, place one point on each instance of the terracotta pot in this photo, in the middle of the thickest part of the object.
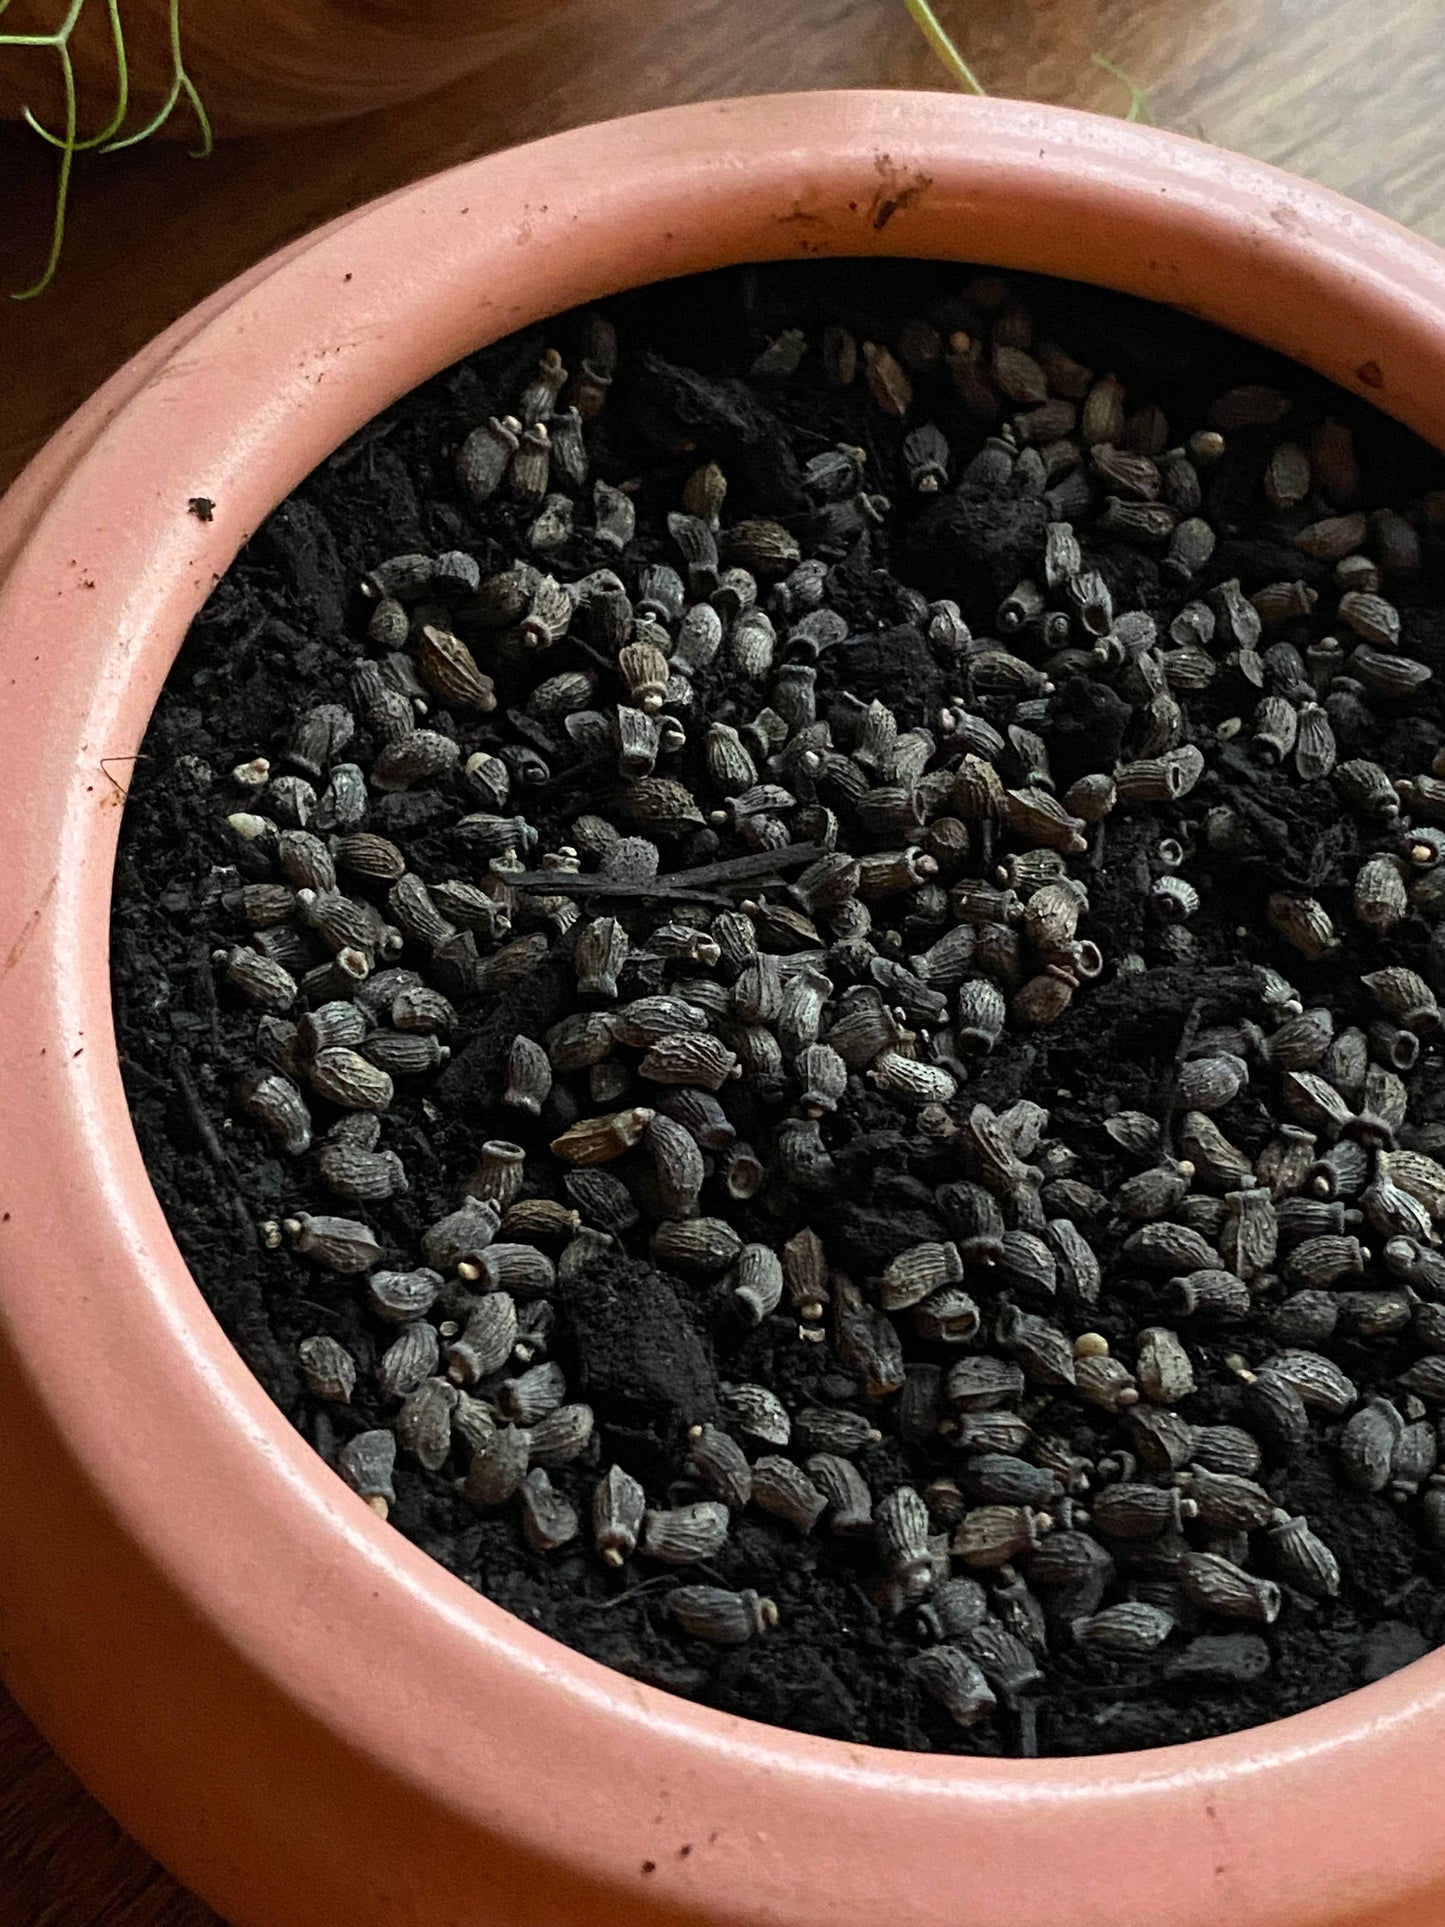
(261, 64)
(300, 1713)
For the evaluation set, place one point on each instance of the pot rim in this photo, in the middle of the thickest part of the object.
(286, 1586)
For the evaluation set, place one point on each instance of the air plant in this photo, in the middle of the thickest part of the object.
(109, 139)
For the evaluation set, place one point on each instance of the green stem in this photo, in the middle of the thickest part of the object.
(122, 91)
(198, 108)
(1138, 96)
(181, 83)
(933, 32)
(69, 144)
(188, 87)
(57, 38)
(152, 126)
(62, 188)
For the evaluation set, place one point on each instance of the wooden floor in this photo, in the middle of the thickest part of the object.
(1351, 94)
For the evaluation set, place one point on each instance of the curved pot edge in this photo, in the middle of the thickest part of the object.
(32, 491)
(1386, 1704)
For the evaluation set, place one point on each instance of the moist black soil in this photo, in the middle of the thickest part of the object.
(648, 1349)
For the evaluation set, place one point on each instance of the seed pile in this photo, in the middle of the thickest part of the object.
(763, 930)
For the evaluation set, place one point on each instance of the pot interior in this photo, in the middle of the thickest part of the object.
(763, 372)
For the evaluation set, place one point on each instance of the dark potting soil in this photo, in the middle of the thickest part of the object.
(648, 1347)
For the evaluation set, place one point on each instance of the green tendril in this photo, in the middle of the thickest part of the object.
(181, 83)
(1138, 96)
(69, 144)
(122, 92)
(938, 38)
(933, 31)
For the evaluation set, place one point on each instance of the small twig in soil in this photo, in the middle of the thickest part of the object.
(756, 867)
(1028, 1712)
(245, 1223)
(681, 886)
(310, 1304)
(645, 1585)
(205, 1130)
(206, 991)
(105, 763)
(134, 1073)
(1171, 1088)
(1096, 856)
(660, 890)
(594, 656)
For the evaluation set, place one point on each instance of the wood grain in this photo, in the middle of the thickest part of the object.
(1349, 94)
(1352, 95)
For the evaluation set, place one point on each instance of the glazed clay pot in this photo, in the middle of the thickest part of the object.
(260, 65)
(306, 1718)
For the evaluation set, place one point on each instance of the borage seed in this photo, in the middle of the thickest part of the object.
(330, 1369)
(784, 1489)
(757, 1288)
(367, 1463)
(685, 1534)
(956, 1682)
(498, 1468)
(725, 1618)
(548, 1519)
(486, 1342)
